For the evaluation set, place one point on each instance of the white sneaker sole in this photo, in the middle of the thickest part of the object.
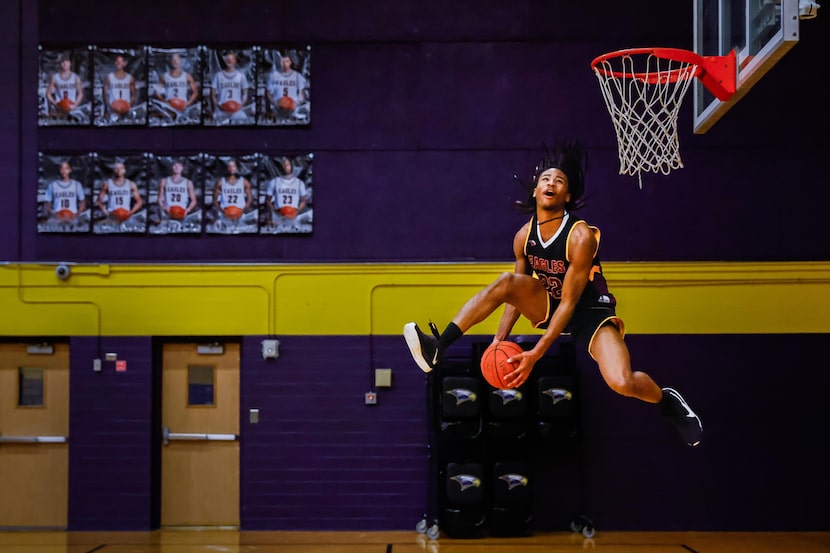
(411, 336)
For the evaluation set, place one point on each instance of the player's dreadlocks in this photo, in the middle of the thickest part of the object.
(572, 159)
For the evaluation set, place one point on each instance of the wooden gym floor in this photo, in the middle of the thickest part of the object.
(229, 541)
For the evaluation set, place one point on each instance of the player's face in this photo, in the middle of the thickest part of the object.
(175, 61)
(66, 170)
(66, 64)
(286, 63)
(177, 168)
(552, 189)
(287, 166)
(120, 62)
(230, 61)
(120, 170)
(232, 167)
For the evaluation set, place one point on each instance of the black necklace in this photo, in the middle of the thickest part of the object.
(540, 223)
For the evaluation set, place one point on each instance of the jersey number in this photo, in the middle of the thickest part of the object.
(554, 286)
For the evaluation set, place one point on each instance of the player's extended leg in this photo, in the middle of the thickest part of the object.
(612, 356)
(524, 292)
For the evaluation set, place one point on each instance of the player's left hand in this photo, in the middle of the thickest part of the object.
(523, 363)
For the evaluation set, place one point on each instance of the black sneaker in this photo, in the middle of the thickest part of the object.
(681, 416)
(424, 348)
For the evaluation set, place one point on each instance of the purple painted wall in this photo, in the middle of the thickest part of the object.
(10, 131)
(762, 462)
(111, 436)
(320, 458)
(422, 114)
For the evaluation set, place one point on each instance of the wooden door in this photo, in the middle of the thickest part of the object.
(34, 424)
(200, 453)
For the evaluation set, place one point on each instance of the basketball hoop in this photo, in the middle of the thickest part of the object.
(643, 90)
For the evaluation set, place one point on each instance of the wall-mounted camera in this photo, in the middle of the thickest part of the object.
(63, 271)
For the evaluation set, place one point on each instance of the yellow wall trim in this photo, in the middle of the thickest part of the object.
(377, 298)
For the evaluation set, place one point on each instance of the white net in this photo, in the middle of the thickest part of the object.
(643, 94)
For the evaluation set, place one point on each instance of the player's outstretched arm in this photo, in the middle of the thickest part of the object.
(582, 246)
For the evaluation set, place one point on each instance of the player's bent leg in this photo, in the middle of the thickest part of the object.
(611, 354)
(525, 293)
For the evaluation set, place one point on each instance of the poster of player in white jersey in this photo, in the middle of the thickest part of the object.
(175, 86)
(63, 193)
(64, 87)
(119, 194)
(285, 194)
(174, 194)
(228, 87)
(119, 86)
(230, 199)
(284, 86)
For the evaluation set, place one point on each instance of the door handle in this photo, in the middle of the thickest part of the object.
(167, 436)
(33, 439)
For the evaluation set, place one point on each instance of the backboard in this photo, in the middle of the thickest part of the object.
(760, 32)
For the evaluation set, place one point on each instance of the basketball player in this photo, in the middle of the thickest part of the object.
(232, 190)
(229, 85)
(119, 192)
(119, 85)
(177, 190)
(177, 84)
(285, 83)
(558, 285)
(66, 86)
(286, 194)
(65, 197)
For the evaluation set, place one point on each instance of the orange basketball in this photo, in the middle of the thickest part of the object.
(287, 103)
(121, 106)
(231, 106)
(65, 104)
(494, 363)
(233, 212)
(177, 103)
(65, 215)
(288, 211)
(177, 212)
(121, 214)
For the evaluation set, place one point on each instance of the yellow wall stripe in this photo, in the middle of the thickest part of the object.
(376, 298)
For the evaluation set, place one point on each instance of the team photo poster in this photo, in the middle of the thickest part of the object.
(152, 86)
(169, 194)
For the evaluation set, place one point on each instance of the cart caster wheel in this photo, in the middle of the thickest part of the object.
(421, 527)
(583, 525)
(434, 532)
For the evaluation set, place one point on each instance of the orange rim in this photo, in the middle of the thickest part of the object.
(676, 54)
